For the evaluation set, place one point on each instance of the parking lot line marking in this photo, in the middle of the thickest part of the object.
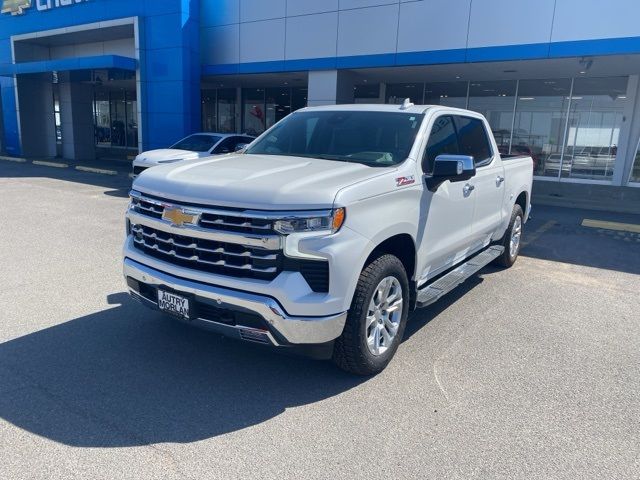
(14, 159)
(50, 164)
(620, 227)
(96, 170)
(535, 235)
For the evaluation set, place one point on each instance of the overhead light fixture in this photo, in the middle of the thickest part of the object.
(582, 73)
(527, 98)
(458, 77)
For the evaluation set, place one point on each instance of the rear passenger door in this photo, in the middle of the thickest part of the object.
(446, 215)
(488, 183)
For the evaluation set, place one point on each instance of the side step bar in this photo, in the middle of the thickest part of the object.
(433, 291)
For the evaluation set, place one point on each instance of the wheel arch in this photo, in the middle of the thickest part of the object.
(403, 246)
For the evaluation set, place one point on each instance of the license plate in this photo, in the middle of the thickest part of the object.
(173, 304)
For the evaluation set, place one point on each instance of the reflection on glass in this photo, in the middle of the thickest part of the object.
(253, 110)
(450, 94)
(367, 93)
(540, 120)
(226, 110)
(635, 169)
(298, 98)
(102, 119)
(132, 120)
(495, 100)
(595, 119)
(397, 92)
(116, 118)
(118, 138)
(209, 117)
(278, 105)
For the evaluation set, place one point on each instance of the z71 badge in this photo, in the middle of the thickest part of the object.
(402, 181)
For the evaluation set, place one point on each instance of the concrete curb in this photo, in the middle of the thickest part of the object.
(80, 168)
(50, 164)
(14, 159)
(102, 171)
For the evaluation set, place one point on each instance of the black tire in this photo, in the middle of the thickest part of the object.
(507, 259)
(351, 352)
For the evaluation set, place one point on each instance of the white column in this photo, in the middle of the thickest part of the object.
(330, 87)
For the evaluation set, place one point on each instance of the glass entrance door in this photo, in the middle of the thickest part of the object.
(116, 122)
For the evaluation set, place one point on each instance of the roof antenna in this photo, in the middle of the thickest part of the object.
(406, 104)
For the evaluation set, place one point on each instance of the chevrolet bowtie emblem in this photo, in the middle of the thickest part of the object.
(179, 217)
(15, 7)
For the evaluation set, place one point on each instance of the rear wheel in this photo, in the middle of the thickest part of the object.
(512, 240)
(377, 318)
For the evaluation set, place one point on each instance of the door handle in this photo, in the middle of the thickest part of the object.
(499, 180)
(468, 188)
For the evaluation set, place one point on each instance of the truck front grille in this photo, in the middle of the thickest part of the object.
(207, 255)
(218, 219)
(263, 261)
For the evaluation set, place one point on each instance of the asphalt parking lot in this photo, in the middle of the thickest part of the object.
(533, 372)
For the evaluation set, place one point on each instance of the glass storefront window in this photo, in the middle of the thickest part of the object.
(595, 120)
(278, 105)
(132, 119)
(253, 110)
(635, 169)
(102, 119)
(540, 120)
(366, 93)
(209, 114)
(495, 100)
(298, 98)
(396, 93)
(451, 94)
(227, 110)
(116, 118)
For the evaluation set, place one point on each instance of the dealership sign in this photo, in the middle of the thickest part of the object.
(17, 7)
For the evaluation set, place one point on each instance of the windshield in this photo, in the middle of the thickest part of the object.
(197, 143)
(378, 139)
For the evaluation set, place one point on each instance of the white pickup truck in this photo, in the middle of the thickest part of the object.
(329, 229)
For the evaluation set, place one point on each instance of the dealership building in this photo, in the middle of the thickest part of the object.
(557, 79)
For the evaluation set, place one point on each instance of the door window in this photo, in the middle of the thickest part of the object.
(442, 140)
(228, 145)
(473, 140)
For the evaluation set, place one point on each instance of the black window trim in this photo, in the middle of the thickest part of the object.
(427, 137)
(489, 161)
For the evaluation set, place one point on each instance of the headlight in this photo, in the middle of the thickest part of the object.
(329, 221)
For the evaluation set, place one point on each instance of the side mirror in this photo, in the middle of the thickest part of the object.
(241, 146)
(455, 168)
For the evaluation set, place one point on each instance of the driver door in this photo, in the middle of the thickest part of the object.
(446, 215)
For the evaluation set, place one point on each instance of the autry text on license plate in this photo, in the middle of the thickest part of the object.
(172, 303)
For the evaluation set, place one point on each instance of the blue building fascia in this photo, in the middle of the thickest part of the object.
(169, 62)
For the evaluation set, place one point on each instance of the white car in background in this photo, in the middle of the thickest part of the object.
(194, 146)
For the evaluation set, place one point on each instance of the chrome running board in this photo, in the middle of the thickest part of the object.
(433, 291)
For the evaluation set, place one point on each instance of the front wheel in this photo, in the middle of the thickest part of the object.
(512, 240)
(377, 318)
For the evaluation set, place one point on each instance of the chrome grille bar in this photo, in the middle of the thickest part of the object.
(169, 246)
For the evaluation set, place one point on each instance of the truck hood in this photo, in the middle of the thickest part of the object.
(264, 182)
(166, 154)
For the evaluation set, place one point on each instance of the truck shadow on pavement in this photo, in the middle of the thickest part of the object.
(127, 377)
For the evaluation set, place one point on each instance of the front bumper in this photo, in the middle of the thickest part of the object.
(279, 327)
